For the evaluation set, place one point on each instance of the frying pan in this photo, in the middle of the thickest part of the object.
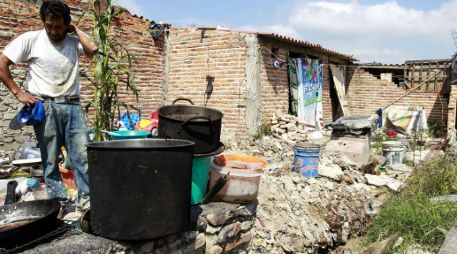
(23, 222)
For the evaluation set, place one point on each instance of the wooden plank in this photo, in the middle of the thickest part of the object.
(433, 87)
(339, 81)
(423, 88)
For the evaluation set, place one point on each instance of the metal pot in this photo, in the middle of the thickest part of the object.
(140, 188)
(23, 222)
(198, 124)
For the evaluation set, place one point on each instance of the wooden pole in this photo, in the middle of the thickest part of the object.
(412, 90)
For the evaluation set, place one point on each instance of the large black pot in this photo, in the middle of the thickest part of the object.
(198, 124)
(140, 188)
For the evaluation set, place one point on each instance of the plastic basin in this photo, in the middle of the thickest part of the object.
(243, 173)
(128, 134)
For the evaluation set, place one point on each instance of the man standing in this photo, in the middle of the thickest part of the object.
(53, 60)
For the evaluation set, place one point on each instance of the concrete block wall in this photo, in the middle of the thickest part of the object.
(17, 17)
(367, 93)
(194, 54)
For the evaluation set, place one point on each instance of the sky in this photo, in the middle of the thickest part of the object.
(370, 30)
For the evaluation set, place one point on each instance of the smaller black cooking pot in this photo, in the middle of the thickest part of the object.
(198, 124)
(26, 221)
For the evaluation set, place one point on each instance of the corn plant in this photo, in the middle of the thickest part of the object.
(112, 68)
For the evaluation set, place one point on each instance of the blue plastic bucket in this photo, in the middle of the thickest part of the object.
(306, 160)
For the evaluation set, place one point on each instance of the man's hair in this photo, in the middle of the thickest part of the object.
(55, 9)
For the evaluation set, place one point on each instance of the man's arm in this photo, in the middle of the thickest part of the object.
(7, 79)
(89, 46)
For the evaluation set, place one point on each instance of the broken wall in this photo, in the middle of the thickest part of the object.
(17, 17)
(367, 93)
(193, 55)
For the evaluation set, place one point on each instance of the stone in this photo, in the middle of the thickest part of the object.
(292, 128)
(215, 250)
(447, 198)
(376, 180)
(285, 136)
(381, 247)
(279, 130)
(450, 243)
(243, 239)
(8, 116)
(394, 184)
(333, 172)
(357, 150)
(212, 230)
(229, 232)
(211, 240)
(246, 225)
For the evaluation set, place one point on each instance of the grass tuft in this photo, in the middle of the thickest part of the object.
(413, 215)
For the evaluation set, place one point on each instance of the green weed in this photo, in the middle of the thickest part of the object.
(412, 214)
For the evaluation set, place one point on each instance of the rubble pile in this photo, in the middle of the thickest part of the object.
(214, 228)
(287, 127)
(298, 214)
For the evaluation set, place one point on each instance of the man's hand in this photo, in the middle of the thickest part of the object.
(71, 28)
(26, 98)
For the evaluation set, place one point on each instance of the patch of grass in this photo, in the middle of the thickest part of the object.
(412, 214)
(264, 130)
(376, 142)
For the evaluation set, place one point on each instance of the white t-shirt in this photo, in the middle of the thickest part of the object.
(54, 67)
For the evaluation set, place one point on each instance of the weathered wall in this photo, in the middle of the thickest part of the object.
(195, 54)
(275, 83)
(366, 93)
(17, 17)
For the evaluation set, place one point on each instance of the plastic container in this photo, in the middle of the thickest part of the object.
(128, 134)
(393, 151)
(68, 176)
(306, 160)
(243, 173)
(200, 176)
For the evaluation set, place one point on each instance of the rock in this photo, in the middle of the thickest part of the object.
(280, 131)
(394, 184)
(333, 172)
(292, 128)
(450, 243)
(246, 225)
(381, 247)
(211, 240)
(215, 250)
(447, 198)
(229, 232)
(376, 180)
(212, 230)
(243, 239)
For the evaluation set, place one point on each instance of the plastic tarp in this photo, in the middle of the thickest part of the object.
(407, 119)
(309, 73)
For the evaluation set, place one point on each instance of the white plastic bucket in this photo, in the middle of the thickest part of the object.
(242, 185)
(393, 151)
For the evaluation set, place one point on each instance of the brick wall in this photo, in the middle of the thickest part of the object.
(195, 54)
(274, 84)
(366, 93)
(17, 17)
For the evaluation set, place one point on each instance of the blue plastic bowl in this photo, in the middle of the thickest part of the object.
(128, 134)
